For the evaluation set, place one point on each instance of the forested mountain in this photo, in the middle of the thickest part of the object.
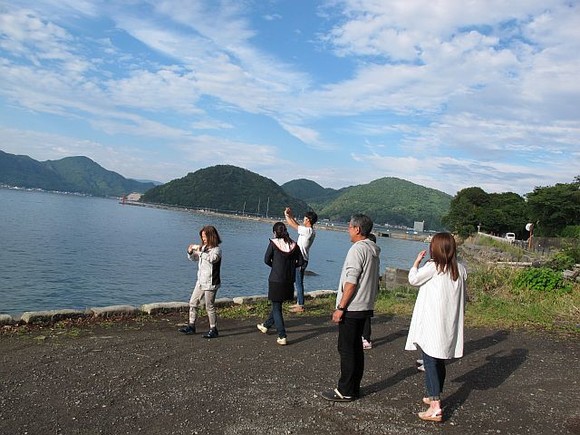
(226, 188)
(71, 174)
(232, 189)
(311, 192)
(386, 200)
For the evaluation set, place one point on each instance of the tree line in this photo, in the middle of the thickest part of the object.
(554, 211)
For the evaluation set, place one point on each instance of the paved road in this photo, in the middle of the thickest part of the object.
(143, 377)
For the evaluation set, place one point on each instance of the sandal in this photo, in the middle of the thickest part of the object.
(426, 400)
(431, 415)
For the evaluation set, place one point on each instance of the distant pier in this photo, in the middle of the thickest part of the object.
(402, 235)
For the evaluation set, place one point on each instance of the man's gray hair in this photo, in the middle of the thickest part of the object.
(363, 222)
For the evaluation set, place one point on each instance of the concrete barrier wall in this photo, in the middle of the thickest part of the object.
(392, 278)
(49, 317)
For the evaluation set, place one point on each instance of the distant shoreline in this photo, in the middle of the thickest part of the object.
(395, 234)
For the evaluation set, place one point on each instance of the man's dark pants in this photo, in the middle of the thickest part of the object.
(352, 360)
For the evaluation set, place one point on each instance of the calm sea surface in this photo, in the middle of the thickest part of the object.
(65, 251)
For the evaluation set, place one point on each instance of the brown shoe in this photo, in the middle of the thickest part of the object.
(432, 415)
(297, 309)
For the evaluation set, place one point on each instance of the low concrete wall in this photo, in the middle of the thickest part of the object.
(394, 277)
(48, 317)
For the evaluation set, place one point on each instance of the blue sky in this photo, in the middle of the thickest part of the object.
(447, 94)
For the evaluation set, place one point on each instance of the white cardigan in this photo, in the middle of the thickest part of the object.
(437, 322)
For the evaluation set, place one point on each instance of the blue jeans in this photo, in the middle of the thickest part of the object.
(299, 283)
(434, 376)
(276, 318)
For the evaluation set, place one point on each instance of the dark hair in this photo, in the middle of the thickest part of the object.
(362, 222)
(443, 251)
(312, 217)
(281, 232)
(213, 238)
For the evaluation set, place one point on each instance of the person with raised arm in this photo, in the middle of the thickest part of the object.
(437, 322)
(306, 236)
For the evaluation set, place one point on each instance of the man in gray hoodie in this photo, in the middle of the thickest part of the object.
(355, 301)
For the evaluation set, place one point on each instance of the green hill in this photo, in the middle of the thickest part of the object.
(392, 201)
(231, 189)
(71, 174)
(228, 189)
(311, 192)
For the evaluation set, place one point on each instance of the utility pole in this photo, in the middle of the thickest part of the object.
(530, 228)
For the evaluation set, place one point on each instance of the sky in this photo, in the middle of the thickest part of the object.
(447, 94)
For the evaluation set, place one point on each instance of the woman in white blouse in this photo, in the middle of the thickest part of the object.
(437, 322)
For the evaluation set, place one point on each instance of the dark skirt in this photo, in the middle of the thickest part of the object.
(280, 291)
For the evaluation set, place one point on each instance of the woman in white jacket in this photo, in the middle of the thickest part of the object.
(437, 321)
(208, 256)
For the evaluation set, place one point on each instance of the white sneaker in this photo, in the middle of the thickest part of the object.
(281, 341)
(367, 344)
(262, 328)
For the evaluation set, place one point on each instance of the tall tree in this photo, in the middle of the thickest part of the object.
(509, 214)
(554, 208)
(465, 210)
(496, 212)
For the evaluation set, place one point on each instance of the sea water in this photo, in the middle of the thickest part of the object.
(68, 251)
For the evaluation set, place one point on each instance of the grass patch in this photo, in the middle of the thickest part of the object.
(399, 301)
(510, 249)
(321, 306)
(496, 301)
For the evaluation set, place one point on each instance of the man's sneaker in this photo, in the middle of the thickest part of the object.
(282, 341)
(336, 396)
(420, 365)
(187, 330)
(262, 328)
(212, 333)
(367, 344)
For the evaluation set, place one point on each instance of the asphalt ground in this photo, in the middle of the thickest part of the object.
(142, 376)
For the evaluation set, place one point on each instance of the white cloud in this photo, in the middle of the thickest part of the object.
(485, 90)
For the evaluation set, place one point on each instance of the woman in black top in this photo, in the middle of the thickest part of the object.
(283, 256)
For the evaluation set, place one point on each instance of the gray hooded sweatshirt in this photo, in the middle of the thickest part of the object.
(361, 267)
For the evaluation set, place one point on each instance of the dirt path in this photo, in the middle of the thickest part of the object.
(134, 376)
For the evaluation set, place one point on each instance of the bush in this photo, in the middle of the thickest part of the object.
(571, 231)
(562, 261)
(542, 279)
(573, 250)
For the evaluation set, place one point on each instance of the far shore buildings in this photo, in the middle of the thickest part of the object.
(419, 226)
(134, 196)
